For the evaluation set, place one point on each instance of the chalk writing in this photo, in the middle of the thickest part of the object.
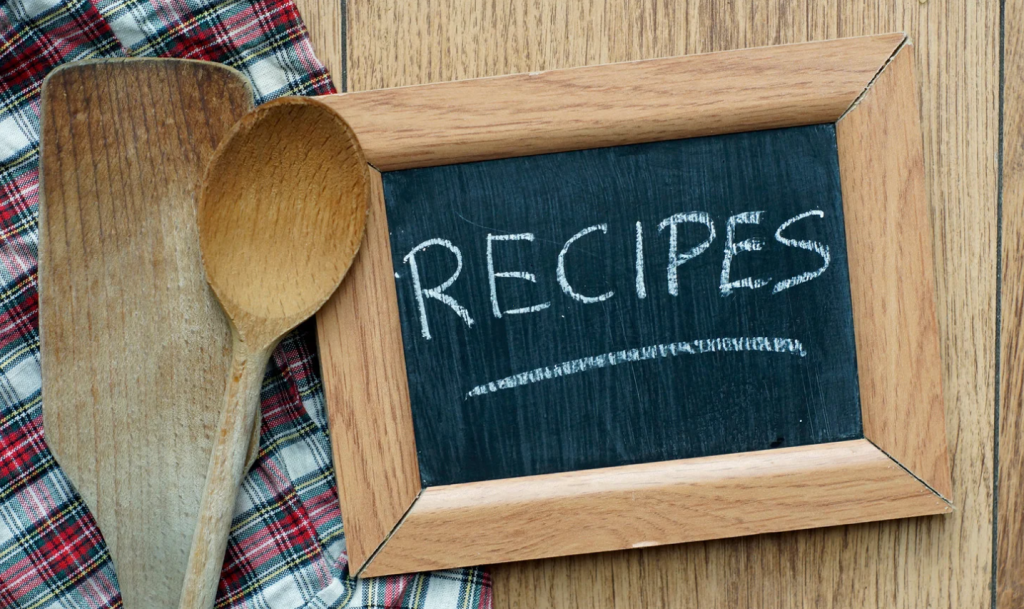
(732, 248)
(560, 269)
(492, 275)
(813, 246)
(641, 285)
(437, 293)
(675, 260)
(756, 343)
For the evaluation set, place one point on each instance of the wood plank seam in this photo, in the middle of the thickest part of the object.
(1008, 482)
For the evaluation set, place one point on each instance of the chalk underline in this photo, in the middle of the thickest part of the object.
(765, 344)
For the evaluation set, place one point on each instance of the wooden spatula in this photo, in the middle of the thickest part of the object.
(135, 348)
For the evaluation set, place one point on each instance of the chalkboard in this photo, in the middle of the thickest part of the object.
(625, 305)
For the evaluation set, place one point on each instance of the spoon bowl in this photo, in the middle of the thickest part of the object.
(282, 211)
(281, 215)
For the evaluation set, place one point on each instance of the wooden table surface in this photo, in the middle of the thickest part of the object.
(970, 62)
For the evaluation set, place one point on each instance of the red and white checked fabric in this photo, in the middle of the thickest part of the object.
(287, 545)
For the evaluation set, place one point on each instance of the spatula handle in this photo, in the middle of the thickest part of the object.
(227, 467)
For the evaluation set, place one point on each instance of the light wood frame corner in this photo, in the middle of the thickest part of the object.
(898, 469)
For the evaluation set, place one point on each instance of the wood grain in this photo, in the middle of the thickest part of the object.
(135, 347)
(611, 105)
(907, 564)
(1010, 518)
(282, 211)
(892, 275)
(367, 392)
(686, 500)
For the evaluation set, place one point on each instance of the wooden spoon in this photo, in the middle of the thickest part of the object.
(281, 215)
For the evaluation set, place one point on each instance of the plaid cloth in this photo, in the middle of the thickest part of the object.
(287, 545)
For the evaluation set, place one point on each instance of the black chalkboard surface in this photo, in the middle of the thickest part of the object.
(624, 305)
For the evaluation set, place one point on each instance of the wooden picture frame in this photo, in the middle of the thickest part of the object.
(899, 468)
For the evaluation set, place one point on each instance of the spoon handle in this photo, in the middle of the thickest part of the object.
(227, 468)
